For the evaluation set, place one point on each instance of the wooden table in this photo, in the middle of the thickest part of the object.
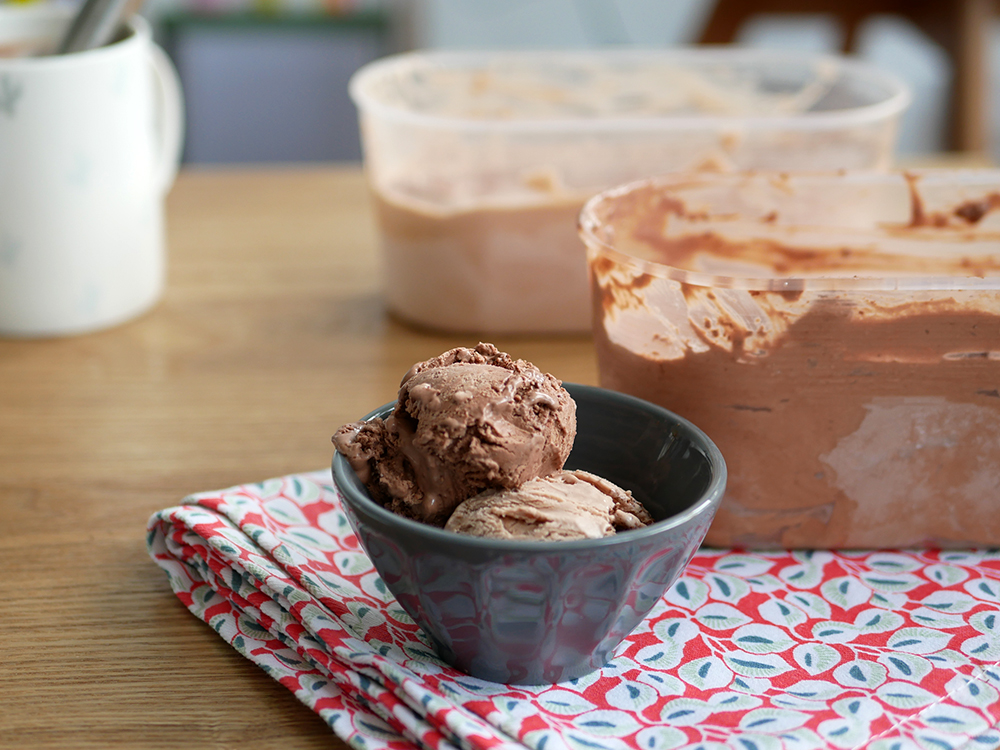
(270, 335)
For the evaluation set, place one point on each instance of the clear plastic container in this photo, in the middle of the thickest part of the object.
(480, 162)
(837, 336)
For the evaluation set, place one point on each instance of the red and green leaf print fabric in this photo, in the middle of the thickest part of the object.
(877, 649)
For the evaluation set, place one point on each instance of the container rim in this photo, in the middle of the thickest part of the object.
(588, 224)
(897, 93)
(354, 493)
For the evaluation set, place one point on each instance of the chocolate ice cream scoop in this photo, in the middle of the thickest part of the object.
(562, 506)
(465, 421)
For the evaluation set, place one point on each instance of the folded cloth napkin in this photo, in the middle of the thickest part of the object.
(748, 650)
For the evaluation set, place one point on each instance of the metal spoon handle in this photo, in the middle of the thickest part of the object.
(93, 26)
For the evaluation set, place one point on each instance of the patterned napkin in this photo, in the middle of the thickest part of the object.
(756, 651)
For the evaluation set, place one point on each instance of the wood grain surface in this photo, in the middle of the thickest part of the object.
(270, 335)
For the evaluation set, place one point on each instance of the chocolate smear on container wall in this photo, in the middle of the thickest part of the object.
(851, 429)
(789, 261)
(652, 241)
(970, 211)
(615, 293)
(918, 216)
(974, 211)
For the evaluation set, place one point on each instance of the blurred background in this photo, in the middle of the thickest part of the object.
(266, 80)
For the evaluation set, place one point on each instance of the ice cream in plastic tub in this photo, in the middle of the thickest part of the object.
(838, 335)
(479, 162)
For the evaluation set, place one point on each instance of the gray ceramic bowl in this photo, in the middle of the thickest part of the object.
(543, 612)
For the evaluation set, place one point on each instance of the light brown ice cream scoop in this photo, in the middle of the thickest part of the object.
(466, 421)
(563, 506)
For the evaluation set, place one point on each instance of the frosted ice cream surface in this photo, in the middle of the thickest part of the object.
(477, 440)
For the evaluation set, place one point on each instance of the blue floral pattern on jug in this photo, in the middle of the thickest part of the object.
(11, 91)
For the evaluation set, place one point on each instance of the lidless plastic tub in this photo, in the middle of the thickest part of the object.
(480, 162)
(837, 335)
